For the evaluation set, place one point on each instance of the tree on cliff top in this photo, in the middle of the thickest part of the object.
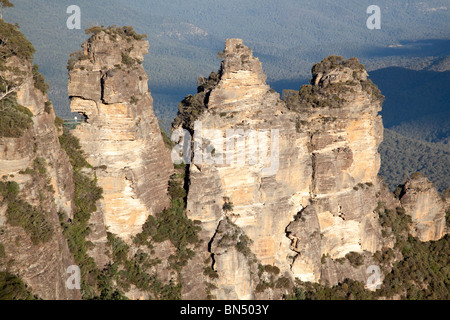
(4, 4)
(13, 42)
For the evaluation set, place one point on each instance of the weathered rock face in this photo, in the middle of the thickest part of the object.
(336, 271)
(339, 111)
(50, 189)
(266, 194)
(304, 233)
(319, 161)
(423, 203)
(120, 136)
(283, 189)
(232, 262)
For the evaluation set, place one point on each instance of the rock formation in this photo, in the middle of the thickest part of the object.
(339, 112)
(283, 189)
(425, 206)
(315, 197)
(35, 161)
(120, 134)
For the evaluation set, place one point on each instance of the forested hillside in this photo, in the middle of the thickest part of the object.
(411, 95)
(401, 156)
(431, 128)
(417, 112)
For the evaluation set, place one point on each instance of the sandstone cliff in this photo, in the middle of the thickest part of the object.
(283, 189)
(120, 134)
(339, 112)
(425, 206)
(312, 193)
(30, 232)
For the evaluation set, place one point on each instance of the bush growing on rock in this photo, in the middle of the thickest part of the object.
(14, 118)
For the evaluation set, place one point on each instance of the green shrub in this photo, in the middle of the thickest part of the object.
(272, 269)
(108, 290)
(40, 165)
(372, 89)
(39, 80)
(228, 205)
(416, 175)
(13, 288)
(170, 292)
(94, 30)
(72, 146)
(176, 190)
(134, 100)
(423, 272)
(208, 271)
(87, 193)
(2, 251)
(74, 58)
(327, 64)
(193, 106)
(167, 141)
(9, 190)
(298, 294)
(172, 224)
(59, 122)
(119, 248)
(356, 259)
(347, 290)
(48, 107)
(283, 283)
(394, 222)
(126, 32)
(16, 43)
(447, 219)
(14, 118)
(20, 213)
(309, 97)
(127, 60)
(243, 245)
(31, 219)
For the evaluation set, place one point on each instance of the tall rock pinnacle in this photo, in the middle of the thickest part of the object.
(120, 133)
(319, 199)
(339, 112)
(242, 78)
(240, 106)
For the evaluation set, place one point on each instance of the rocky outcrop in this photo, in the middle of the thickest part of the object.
(307, 185)
(283, 189)
(120, 134)
(233, 262)
(336, 271)
(423, 203)
(339, 112)
(304, 232)
(41, 169)
(265, 194)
